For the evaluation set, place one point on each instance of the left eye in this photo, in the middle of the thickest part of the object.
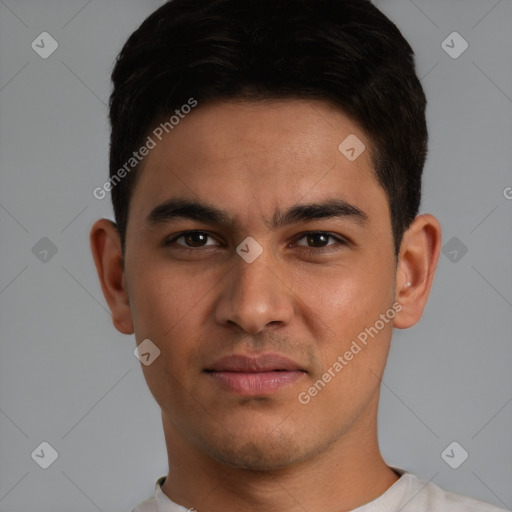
(318, 239)
(192, 239)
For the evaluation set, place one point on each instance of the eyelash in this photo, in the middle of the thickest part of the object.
(340, 241)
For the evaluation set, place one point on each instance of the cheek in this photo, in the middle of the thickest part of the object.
(166, 311)
(159, 299)
(344, 304)
(170, 307)
(345, 299)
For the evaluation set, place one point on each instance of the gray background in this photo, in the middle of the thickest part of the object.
(69, 378)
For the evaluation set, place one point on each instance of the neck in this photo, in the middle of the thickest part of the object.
(350, 473)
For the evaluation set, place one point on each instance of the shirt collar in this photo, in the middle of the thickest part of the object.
(165, 504)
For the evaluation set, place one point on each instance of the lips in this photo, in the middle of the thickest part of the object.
(255, 375)
(254, 364)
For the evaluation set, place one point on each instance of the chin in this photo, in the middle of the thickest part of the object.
(264, 455)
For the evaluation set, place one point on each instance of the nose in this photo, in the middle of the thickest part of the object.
(255, 295)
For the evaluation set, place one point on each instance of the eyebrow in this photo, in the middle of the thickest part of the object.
(181, 208)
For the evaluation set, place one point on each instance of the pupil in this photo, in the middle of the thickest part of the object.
(316, 236)
(194, 243)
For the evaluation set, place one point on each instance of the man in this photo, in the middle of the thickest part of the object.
(265, 171)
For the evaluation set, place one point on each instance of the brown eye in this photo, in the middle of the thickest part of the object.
(318, 240)
(191, 239)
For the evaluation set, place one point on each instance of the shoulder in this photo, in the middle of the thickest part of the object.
(432, 497)
(148, 505)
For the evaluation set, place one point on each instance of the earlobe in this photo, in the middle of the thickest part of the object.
(417, 263)
(108, 259)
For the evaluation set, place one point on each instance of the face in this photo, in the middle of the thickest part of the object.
(305, 287)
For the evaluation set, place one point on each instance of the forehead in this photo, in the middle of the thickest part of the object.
(259, 156)
(276, 129)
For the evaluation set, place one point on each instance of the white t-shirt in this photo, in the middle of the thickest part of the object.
(408, 494)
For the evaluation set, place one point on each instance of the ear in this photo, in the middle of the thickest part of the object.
(108, 258)
(417, 263)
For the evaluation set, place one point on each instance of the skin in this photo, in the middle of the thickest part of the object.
(307, 299)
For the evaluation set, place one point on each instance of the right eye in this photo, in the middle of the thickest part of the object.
(191, 239)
